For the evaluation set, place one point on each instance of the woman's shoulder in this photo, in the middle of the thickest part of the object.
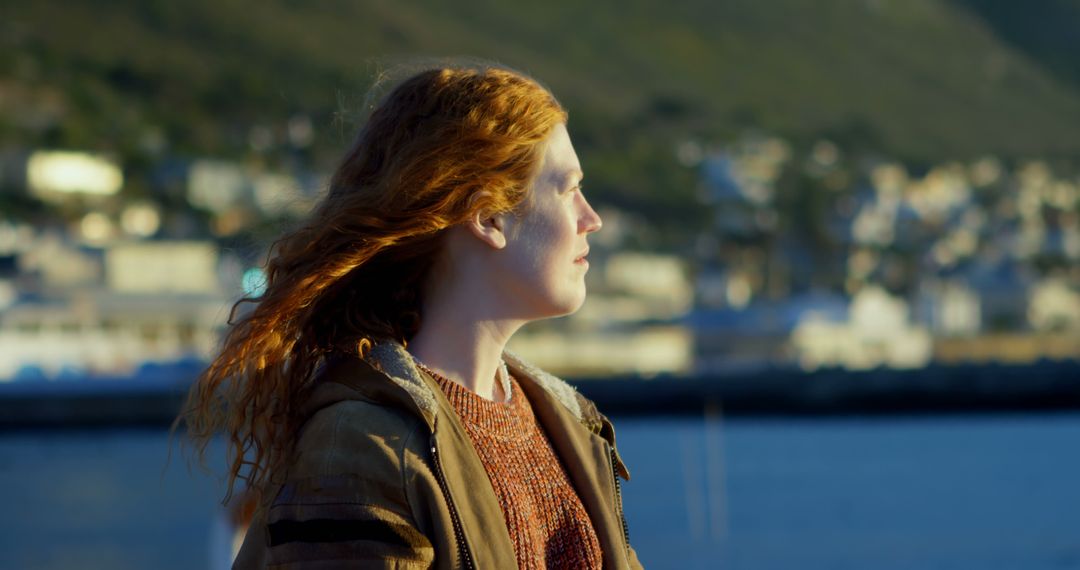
(346, 495)
(356, 435)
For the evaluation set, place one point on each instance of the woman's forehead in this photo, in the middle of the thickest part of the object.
(560, 160)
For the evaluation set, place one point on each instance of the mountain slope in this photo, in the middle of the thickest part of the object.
(924, 80)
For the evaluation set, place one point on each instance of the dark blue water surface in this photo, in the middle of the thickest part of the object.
(971, 492)
(965, 492)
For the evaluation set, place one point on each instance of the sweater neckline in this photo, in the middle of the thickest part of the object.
(504, 420)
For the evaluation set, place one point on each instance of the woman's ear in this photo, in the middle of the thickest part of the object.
(489, 228)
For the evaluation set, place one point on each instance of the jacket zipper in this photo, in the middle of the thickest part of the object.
(459, 536)
(619, 505)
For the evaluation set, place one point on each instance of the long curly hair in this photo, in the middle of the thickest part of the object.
(442, 145)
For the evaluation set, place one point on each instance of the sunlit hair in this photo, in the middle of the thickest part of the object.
(442, 145)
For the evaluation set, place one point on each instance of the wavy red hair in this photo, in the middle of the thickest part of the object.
(441, 146)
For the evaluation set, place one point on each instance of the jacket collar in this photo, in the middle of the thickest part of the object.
(394, 361)
(407, 386)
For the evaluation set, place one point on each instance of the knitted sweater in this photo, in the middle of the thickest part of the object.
(544, 515)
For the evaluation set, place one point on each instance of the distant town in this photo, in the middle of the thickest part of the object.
(960, 262)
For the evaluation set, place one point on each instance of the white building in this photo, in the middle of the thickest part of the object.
(49, 262)
(1054, 306)
(627, 324)
(645, 351)
(950, 308)
(878, 332)
(101, 332)
(162, 267)
(217, 185)
(56, 176)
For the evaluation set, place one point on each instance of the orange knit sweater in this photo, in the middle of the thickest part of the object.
(547, 522)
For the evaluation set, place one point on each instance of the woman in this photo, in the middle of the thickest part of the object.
(369, 395)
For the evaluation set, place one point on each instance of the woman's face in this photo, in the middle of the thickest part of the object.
(544, 258)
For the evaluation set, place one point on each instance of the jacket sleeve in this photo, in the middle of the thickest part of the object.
(343, 503)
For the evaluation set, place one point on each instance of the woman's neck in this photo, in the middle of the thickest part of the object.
(468, 352)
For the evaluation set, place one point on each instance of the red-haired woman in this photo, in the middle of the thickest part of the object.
(369, 395)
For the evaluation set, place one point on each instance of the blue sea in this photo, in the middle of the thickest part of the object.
(979, 492)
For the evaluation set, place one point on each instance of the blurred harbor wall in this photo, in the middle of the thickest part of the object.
(1045, 385)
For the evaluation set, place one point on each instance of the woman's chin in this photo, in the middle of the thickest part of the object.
(556, 302)
(572, 304)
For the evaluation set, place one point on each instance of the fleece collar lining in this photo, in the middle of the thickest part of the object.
(392, 359)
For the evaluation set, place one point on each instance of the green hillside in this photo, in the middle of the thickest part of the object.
(923, 80)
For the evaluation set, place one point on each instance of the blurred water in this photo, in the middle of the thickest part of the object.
(966, 492)
(102, 499)
(978, 492)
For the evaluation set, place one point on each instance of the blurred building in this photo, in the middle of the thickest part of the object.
(57, 176)
(628, 324)
(217, 185)
(1055, 307)
(104, 333)
(162, 267)
(740, 183)
(878, 332)
(949, 308)
(73, 311)
(49, 263)
(238, 196)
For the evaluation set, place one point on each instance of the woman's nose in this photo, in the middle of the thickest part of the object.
(590, 221)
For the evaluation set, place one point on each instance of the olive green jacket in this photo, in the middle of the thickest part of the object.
(385, 476)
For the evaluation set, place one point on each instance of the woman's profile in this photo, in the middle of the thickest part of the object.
(368, 396)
